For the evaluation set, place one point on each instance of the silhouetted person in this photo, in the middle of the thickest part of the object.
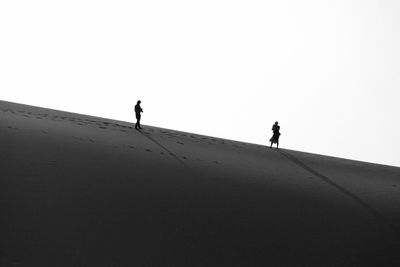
(138, 110)
(275, 137)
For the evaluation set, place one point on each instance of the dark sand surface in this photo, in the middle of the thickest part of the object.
(86, 191)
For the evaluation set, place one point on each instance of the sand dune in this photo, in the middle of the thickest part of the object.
(78, 190)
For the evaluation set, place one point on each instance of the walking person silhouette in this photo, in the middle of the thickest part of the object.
(138, 110)
(275, 137)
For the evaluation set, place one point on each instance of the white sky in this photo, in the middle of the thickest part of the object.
(328, 71)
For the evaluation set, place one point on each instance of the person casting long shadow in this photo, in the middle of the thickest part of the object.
(138, 111)
(275, 137)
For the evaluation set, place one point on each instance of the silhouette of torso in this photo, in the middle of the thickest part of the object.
(138, 109)
(275, 129)
(276, 133)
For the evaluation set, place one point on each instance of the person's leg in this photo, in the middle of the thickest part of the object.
(137, 121)
(277, 144)
(140, 127)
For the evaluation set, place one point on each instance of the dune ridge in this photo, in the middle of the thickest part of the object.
(79, 190)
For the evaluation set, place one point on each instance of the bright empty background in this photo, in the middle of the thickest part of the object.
(328, 71)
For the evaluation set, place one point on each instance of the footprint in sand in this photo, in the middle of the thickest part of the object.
(148, 150)
(44, 132)
(78, 138)
(8, 110)
(180, 143)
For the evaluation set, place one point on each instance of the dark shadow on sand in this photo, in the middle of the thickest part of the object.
(346, 192)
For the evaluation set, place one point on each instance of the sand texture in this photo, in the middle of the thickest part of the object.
(77, 190)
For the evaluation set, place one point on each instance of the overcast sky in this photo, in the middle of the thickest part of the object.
(328, 71)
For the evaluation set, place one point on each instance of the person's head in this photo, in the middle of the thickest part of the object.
(276, 123)
(139, 102)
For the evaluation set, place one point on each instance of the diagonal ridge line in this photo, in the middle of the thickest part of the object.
(346, 192)
(168, 151)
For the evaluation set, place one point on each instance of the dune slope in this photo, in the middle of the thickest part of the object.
(78, 190)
